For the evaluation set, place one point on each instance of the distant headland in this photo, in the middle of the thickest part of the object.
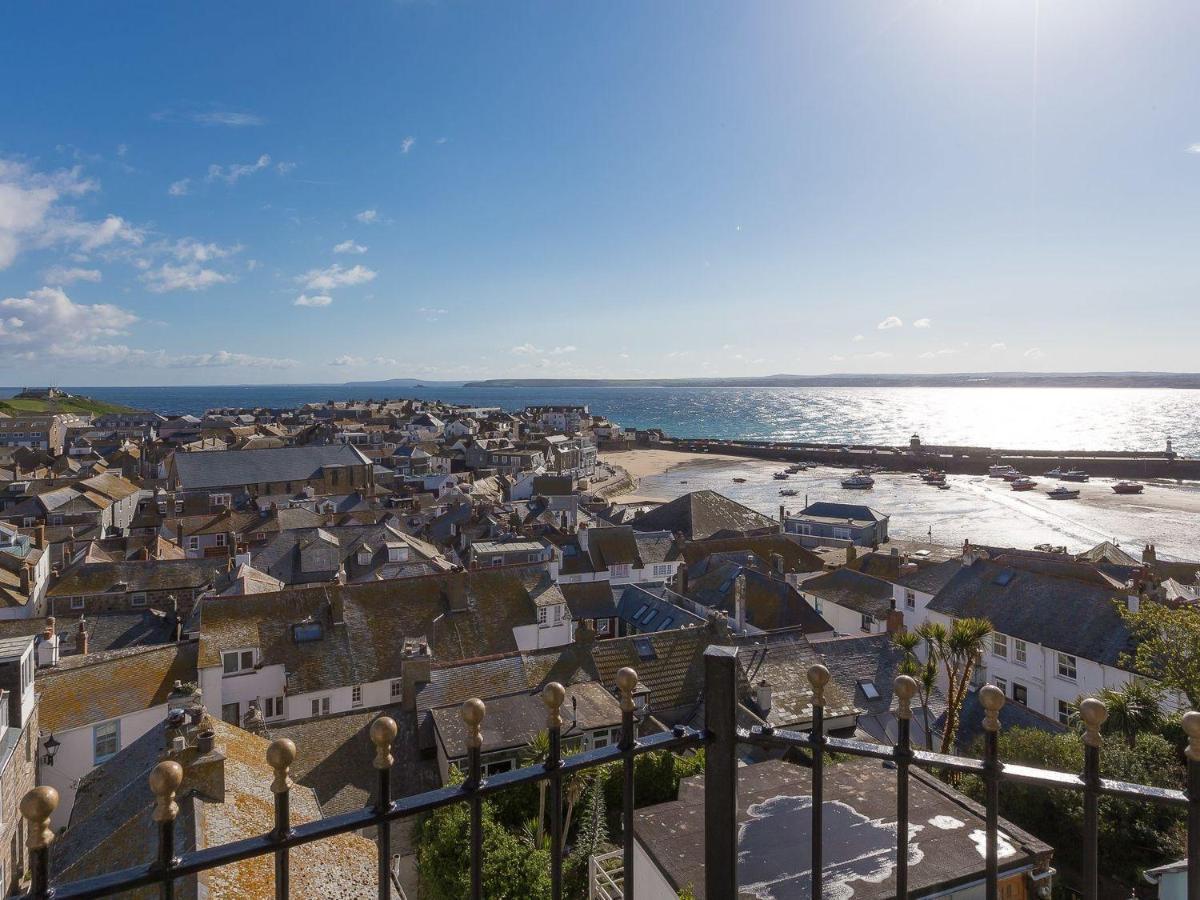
(1180, 380)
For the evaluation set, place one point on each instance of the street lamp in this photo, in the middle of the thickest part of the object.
(51, 744)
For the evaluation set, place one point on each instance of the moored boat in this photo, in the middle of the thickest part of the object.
(1062, 493)
(781, 476)
(739, 481)
(788, 492)
(1075, 475)
(1024, 483)
(858, 481)
(1127, 487)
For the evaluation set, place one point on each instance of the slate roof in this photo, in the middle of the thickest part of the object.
(514, 720)
(645, 610)
(770, 602)
(138, 575)
(853, 590)
(105, 687)
(1064, 613)
(930, 578)
(840, 512)
(590, 599)
(508, 674)
(106, 631)
(701, 515)
(1012, 715)
(224, 468)
(784, 665)
(795, 557)
(288, 557)
(112, 825)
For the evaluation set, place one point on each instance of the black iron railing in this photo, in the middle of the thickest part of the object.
(720, 737)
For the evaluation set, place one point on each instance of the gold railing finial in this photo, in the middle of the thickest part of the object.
(383, 732)
(553, 696)
(472, 713)
(905, 688)
(1094, 714)
(627, 680)
(992, 699)
(37, 806)
(818, 677)
(165, 779)
(1191, 727)
(281, 753)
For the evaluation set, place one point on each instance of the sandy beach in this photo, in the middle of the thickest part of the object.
(642, 464)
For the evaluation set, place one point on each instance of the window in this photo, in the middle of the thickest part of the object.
(910, 599)
(645, 649)
(221, 540)
(106, 741)
(397, 689)
(867, 622)
(236, 661)
(273, 708)
(76, 603)
(356, 695)
(543, 614)
(178, 507)
(320, 706)
(1000, 645)
(193, 543)
(533, 557)
(137, 599)
(1066, 667)
(1020, 652)
(1064, 712)
(306, 632)
(1002, 683)
(660, 571)
(603, 626)
(599, 739)
(818, 604)
(231, 713)
(1020, 694)
(219, 500)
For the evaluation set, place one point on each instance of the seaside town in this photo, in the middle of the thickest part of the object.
(205, 614)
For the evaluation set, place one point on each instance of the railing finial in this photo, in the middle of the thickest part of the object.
(818, 677)
(992, 699)
(383, 732)
(553, 696)
(906, 688)
(472, 713)
(37, 806)
(1094, 714)
(627, 680)
(281, 753)
(165, 779)
(1191, 727)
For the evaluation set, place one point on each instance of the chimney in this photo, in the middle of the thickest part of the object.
(777, 564)
(968, 554)
(739, 602)
(585, 635)
(763, 696)
(39, 538)
(678, 541)
(47, 648)
(583, 536)
(179, 534)
(895, 551)
(415, 665)
(682, 579)
(895, 621)
(1149, 555)
(782, 514)
(81, 640)
(25, 580)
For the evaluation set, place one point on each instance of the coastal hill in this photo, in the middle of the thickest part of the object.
(53, 400)
(1183, 380)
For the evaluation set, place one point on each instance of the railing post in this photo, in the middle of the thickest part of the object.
(472, 713)
(1191, 726)
(37, 806)
(818, 677)
(1093, 713)
(281, 753)
(553, 696)
(383, 733)
(904, 687)
(720, 773)
(165, 779)
(992, 699)
(627, 680)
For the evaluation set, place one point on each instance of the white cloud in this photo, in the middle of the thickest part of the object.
(209, 116)
(933, 354)
(364, 361)
(30, 210)
(367, 216)
(62, 275)
(1034, 353)
(312, 301)
(192, 250)
(407, 144)
(349, 247)
(179, 188)
(335, 276)
(890, 322)
(836, 358)
(285, 168)
(857, 338)
(187, 277)
(999, 346)
(531, 350)
(1195, 148)
(48, 317)
(878, 354)
(232, 173)
(225, 359)
(923, 323)
(432, 314)
(525, 350)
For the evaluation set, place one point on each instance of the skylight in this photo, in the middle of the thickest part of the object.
(641, 609)
(645, 649)
(869, 690)
(1005, 577)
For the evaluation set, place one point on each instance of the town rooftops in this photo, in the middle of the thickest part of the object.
(701, 515)
(1068, 614)
(226, 468)
(857, 513)
(136, 576)
(784, 665)
(853, 590)
(774, 802)
(795, 557)
(95, 689)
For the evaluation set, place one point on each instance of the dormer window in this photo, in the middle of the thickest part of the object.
(364, 556)
(307, 632)
(234, 662)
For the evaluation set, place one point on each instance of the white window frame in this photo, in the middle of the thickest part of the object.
(356, 695)
(78, 603)
(603, 626)
(115, 725)
(273, 707)
(320, 706)
(1020, 652)
(220, 500)
(999, 645)
(240, 663)
(138, 599)
(396, 691)
(1068, 662)
(1002, 683)
(867, 622)
(543, 616)
(221, 539)
(193, 542)
(910, 599)
(1063, 712)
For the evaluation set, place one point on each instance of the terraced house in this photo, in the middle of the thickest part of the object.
(233, 477)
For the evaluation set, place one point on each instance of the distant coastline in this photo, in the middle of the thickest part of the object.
(1181, 380)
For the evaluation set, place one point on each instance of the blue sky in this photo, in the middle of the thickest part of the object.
(305, 191)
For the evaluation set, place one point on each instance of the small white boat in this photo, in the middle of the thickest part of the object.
(859, 481)
(1063, 493)
(781, 476)
(788, 492)
(1074, 475)
(1001, 471)
(1056, 472)
(1024, 483)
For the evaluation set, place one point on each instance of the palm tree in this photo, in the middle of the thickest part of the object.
(1133, 709)
(924, 673)
(958, 649)
(536, 751)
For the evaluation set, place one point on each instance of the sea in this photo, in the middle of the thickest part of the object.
(1007, 418)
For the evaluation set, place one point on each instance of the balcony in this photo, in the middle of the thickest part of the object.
(823, 827)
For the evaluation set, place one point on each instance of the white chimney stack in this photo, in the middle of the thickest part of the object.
(764, 696)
